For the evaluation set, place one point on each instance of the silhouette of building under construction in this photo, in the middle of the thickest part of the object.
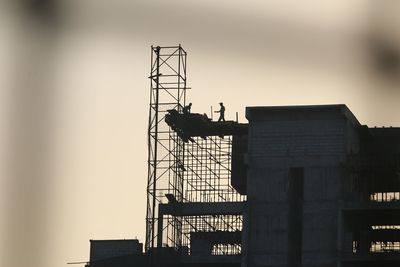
(294, 186)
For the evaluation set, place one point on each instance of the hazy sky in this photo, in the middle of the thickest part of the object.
(75, 94)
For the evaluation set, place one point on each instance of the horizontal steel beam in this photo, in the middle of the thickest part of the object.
(202, 208)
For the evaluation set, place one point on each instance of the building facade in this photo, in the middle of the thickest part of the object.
(322, 189)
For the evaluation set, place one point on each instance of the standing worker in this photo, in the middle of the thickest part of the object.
(186, 109)
(221, 112)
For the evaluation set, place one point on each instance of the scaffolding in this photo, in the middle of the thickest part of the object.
(186, 165)
(165, 149)
(207, 179)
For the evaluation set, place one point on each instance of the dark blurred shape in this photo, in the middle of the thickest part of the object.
(29, 159)
(40, 9)
(386, 57)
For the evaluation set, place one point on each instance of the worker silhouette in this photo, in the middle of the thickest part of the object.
(221, 112)
(186, 109)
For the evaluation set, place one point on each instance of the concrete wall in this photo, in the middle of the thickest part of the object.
(316, 139)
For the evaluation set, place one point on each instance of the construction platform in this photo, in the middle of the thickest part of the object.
(198, 125)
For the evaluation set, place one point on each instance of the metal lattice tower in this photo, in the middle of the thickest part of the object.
(165, 149)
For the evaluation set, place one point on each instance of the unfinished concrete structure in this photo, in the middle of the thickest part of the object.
(322, 189)
(295, 186)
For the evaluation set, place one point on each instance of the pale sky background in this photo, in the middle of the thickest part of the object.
(75, 95)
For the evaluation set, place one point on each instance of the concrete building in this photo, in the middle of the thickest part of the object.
(322, 190)
(116, 253)
(306, 192)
